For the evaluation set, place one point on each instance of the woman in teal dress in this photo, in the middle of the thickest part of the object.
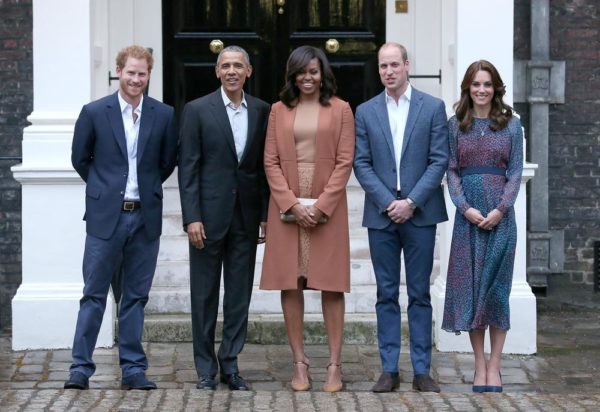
(484, 175)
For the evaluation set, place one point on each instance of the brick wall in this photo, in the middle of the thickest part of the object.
(16, 103)
(574, 146)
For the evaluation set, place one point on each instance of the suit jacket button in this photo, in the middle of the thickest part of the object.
(122, 193)
(234, 191)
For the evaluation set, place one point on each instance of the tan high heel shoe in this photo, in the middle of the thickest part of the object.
(301, 386)
(336, 386)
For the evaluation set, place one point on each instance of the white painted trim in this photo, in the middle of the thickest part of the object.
(46, 313)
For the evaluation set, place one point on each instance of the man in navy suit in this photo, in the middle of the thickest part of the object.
(401, 156)
(224, 196)
(124, 148)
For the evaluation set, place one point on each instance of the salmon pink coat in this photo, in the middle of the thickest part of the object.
(329, 254)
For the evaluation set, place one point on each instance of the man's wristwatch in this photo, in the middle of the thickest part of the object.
(411, 203)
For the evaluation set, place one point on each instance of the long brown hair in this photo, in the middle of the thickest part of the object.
(500, 112)
(299, 58)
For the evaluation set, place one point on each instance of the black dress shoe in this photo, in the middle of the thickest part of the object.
(424, 383)
(386, 383)
(235, 382)
(137, 381)
(207, 382)
(77, 380)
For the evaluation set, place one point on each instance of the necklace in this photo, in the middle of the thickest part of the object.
(481, 130)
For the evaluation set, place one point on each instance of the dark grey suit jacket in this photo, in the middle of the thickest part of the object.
(210, 176)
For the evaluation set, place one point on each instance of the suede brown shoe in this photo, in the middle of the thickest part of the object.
(386, 383)
(424, 383)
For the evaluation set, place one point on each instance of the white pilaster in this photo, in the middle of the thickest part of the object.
(46, 304)
(484, 30)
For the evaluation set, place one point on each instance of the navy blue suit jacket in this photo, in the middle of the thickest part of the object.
(423, 162)
(99, 155)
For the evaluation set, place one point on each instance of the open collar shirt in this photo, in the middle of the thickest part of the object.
(238, 119)
(131, 125)
(397, 115)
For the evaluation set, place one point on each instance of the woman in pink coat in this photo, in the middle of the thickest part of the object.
(308, 154)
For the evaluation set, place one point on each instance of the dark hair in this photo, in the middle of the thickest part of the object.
(234, 49)
(298, 59)
(500, 112)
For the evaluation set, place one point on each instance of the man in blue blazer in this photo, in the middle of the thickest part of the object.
(401, 156)
(124, 148)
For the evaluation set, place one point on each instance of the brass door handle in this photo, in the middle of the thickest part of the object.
(216, 46)
(332, 46)
(280, 4)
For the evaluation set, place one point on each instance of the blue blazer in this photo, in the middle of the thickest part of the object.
(423, 162)
(99, 155)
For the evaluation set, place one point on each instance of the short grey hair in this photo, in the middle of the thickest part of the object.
(236, 49)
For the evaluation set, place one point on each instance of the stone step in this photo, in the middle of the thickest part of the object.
(177, 272)
(173, 263)
(173, 226)
(171, 200)
(177, 300)
(268, 329)
(176, 248)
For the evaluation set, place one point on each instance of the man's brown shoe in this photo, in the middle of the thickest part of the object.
(386, 383)
(424, 383)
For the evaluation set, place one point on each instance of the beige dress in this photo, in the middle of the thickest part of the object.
(305, 133)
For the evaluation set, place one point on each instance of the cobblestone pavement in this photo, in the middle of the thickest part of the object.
(563, 376)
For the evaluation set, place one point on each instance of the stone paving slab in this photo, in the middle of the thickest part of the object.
(195, 400)
(33, 380)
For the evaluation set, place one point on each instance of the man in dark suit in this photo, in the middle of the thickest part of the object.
(224, 197)
(124, 148)
(401, 156)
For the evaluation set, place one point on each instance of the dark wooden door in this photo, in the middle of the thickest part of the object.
(269, 30)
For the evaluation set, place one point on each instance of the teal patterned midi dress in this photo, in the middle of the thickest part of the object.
(484, 172)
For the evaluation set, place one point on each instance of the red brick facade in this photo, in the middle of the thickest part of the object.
(16, 103)
(574, 146)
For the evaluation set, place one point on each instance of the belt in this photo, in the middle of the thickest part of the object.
(482, 170)
(130, 205)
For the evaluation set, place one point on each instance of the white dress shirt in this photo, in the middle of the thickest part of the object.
(238, 119)
(397, 114)
(132, 129)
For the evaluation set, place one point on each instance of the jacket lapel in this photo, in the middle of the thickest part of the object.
(252, 119)
(115, 119)
(217, 107)
(146, 120)
(414, 108)
(384, 121)
(289, 147)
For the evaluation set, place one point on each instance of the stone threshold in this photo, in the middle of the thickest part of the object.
(359, 329)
